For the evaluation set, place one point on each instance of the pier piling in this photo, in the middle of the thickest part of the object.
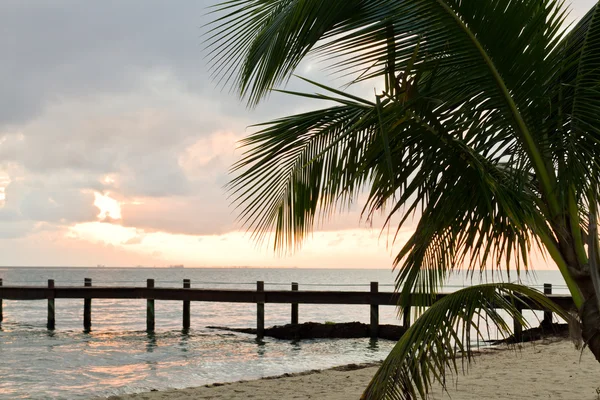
(406, 317)
(51, 306)
(294, 305)
(374, 311)
(547, 314)
(260, 309)
(87, 308)
(186, 306)
(517, 327)
(150, 308)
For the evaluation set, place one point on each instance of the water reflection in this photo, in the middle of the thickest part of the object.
(79, 366)
(150, 342)
(152, 365)
(116, 375)
(261, 347)
(184, 341)
(295, 345)
(373, 344)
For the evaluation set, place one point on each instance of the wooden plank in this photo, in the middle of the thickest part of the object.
(24, 293)
(227, 296)
(294, 305)
(260, 310)
(51, 306)
(87, 308)
(150, 316)
(186, 306)
(374, 327)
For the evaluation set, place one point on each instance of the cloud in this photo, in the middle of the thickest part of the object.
(33, 201)
(115, 98)
(162, 152)
(152, 147)
(53, 248)
(67, 48)
(138, 238)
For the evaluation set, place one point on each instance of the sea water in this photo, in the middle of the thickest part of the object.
(119, 357)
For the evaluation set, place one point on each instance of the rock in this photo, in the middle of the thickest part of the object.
(543, 331)
(314, 330)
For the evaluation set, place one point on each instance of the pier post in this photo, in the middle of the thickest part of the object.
(517, 327)
(260, 309)
(51, 309)
(1, 312)
(294, 305)
(186, 306)
(374, 311)
(547, 314)
(150, 308)
(87, 308)
(406, 317)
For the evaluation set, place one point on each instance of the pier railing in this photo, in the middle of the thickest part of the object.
(374, 298)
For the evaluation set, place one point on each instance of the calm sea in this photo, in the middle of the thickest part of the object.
(119, 357)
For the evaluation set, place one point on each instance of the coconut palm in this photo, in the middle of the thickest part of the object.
(485, 127)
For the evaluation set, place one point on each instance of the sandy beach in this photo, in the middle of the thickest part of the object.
(550, 369)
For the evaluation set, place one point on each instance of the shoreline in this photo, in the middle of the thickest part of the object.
(550, 368)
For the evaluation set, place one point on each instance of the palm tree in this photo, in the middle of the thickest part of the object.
(486, 126)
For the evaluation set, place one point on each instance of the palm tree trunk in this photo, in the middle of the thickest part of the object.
(589, 312)
(590, 325)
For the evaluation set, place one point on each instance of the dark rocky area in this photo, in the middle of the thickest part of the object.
(345, 330)
(542, 331)
(314, 330)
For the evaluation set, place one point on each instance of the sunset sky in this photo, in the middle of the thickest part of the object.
(115, 143)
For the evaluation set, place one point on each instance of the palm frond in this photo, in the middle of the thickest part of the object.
(301, 164)
(319, 161)
(498, 68)
(440, 343)
(573, 124)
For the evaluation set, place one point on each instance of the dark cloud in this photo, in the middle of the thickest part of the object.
(58, 49)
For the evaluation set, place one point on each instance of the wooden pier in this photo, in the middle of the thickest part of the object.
(374, 298)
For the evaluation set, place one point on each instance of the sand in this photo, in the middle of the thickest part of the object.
(551, 369)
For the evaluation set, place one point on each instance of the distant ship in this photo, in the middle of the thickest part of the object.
(176, 266)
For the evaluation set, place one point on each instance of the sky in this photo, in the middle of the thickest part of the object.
(115, 144)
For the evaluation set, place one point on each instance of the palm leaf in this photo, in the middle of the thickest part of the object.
(443, 337)
(322, 160)
(465, 69)
(300, 164)
(496, 64)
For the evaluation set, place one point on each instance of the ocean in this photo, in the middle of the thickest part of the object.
(119, 357)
